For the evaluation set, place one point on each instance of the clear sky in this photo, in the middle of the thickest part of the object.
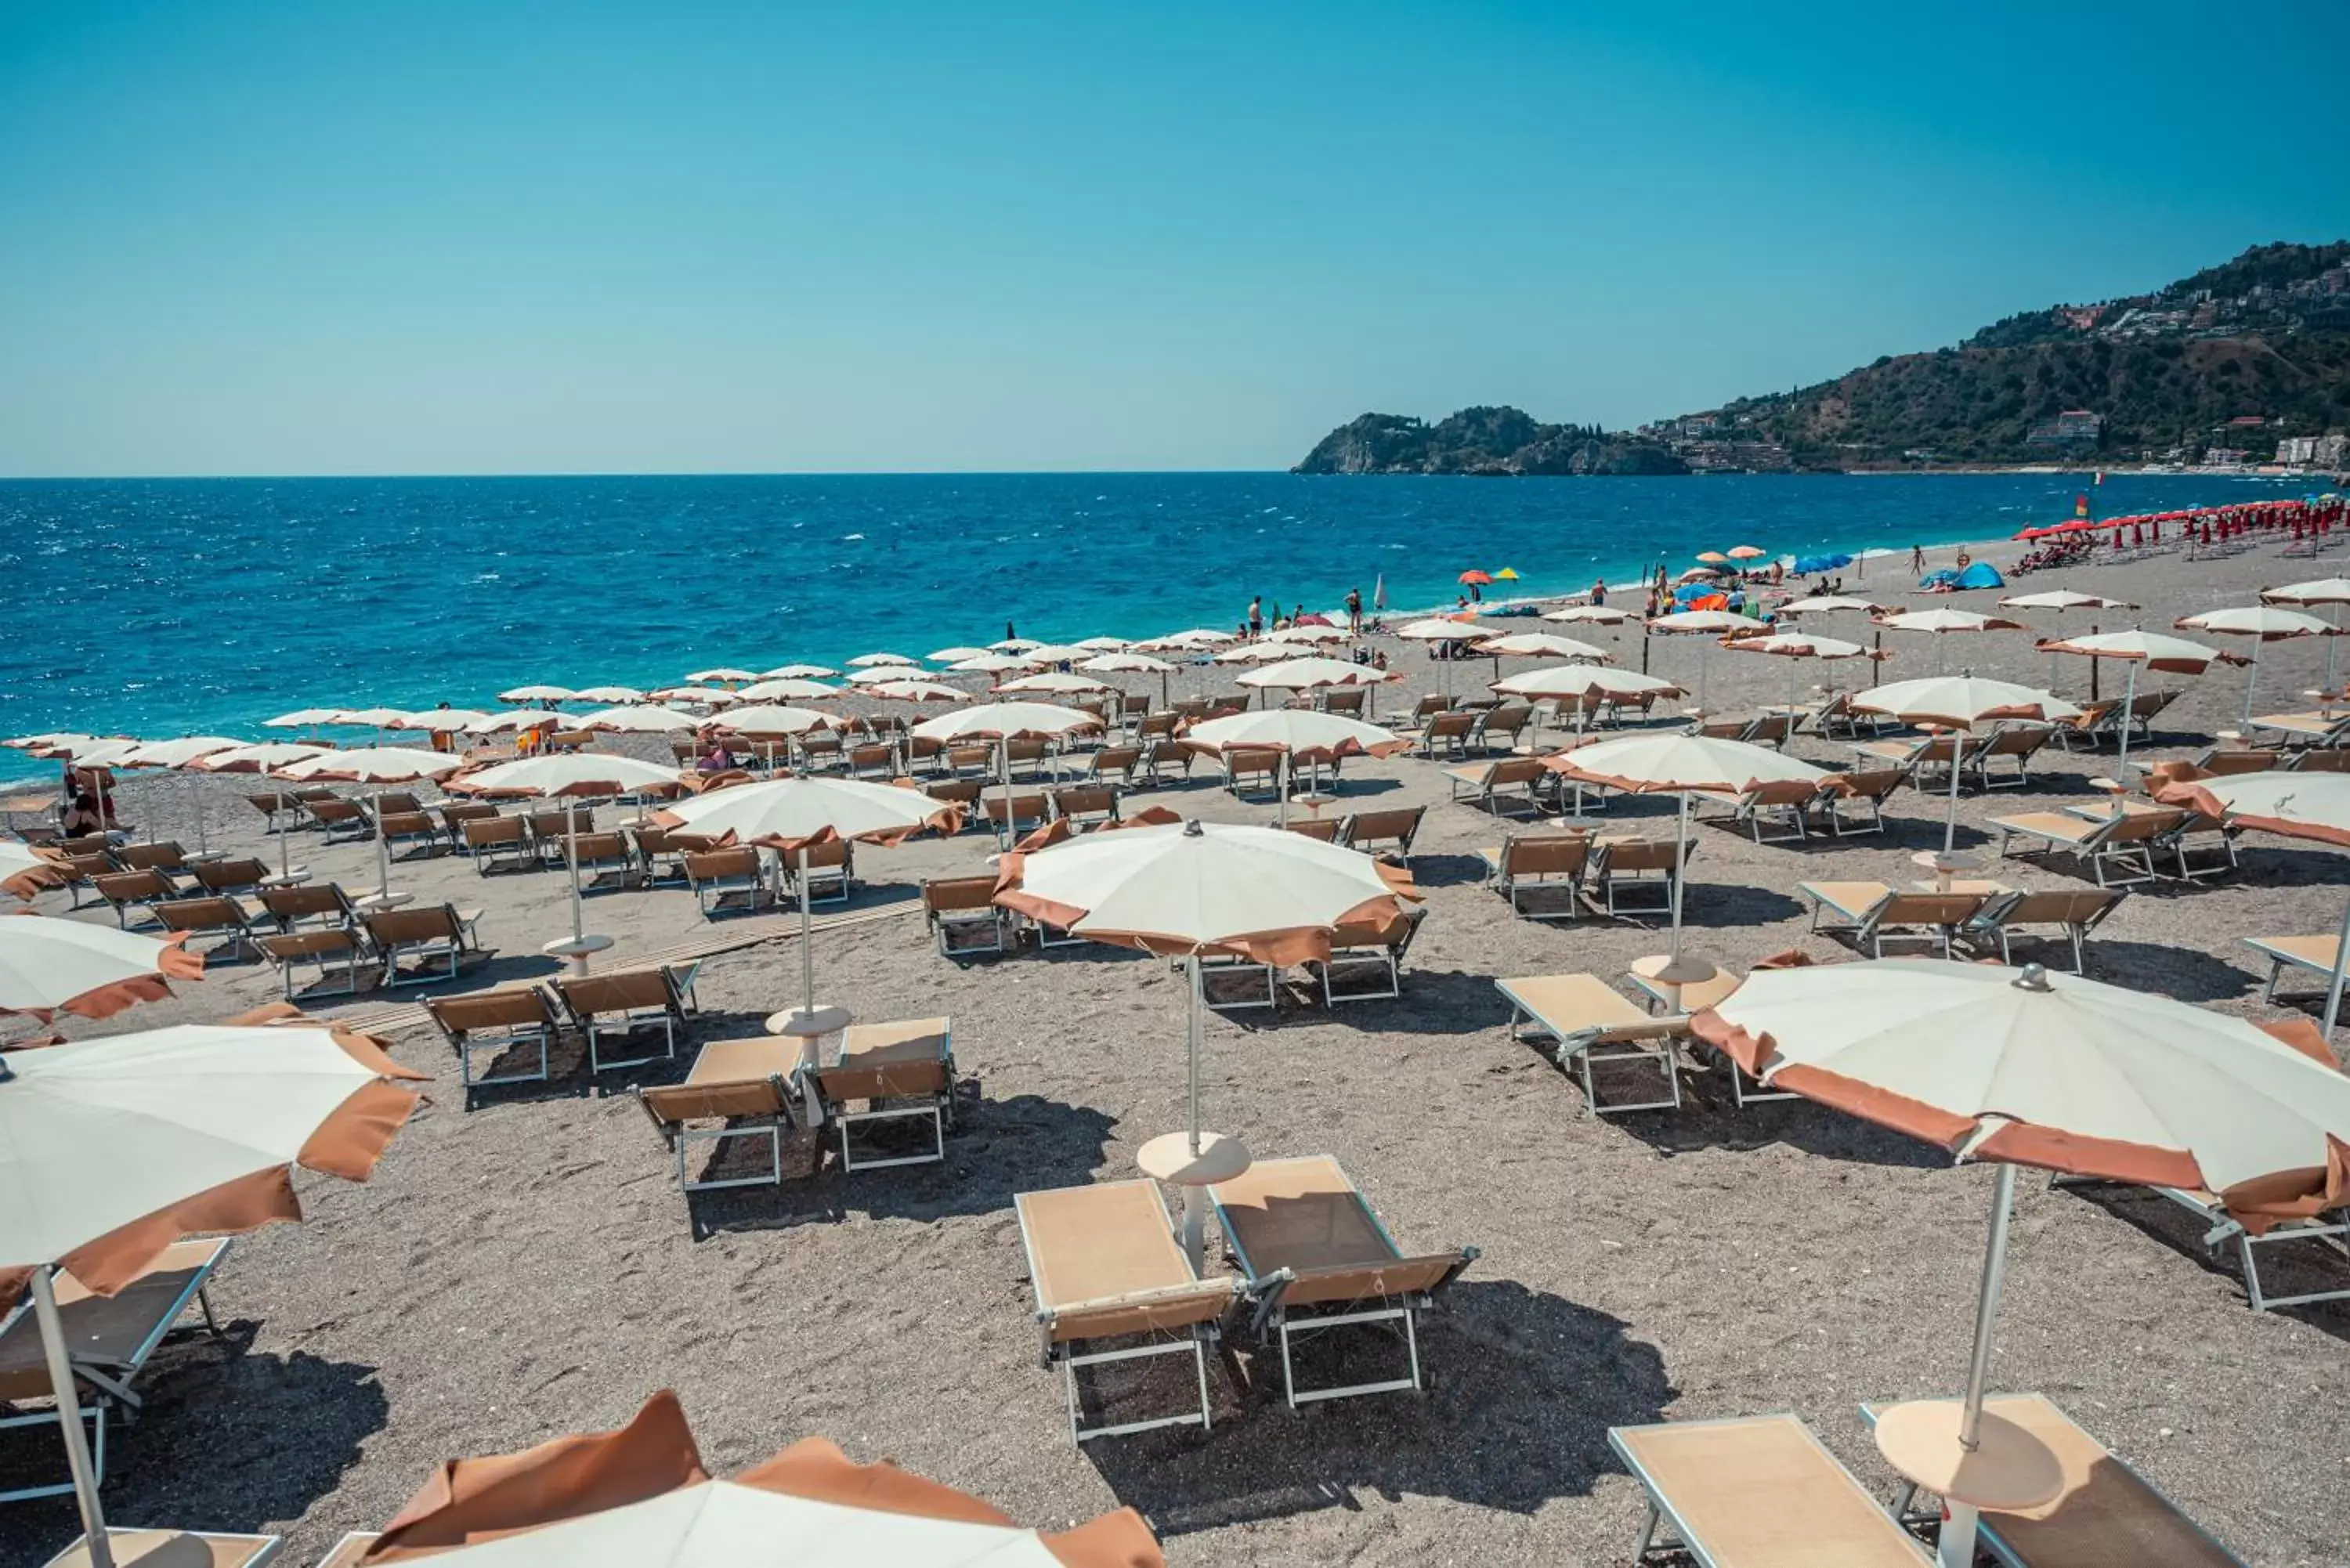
(241, 236)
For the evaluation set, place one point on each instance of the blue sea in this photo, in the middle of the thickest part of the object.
(158, 607)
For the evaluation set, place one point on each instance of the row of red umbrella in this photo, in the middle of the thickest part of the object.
(2212, 523)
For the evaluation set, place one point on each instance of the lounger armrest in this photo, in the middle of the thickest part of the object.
(1142, 1311)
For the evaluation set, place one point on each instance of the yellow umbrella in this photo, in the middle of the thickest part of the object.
(1506, 575)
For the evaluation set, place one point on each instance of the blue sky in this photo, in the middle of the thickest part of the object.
(277, 238)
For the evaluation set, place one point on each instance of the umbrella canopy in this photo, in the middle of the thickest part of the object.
(2064, 600)
(537, 694)
(583, 773)
(50, 966)
(955, 654)
(1303, 674)
(2151, 649)
(608, 695)
(176, 753)
(1265, 652)
(1669, 761)
(1474, 577)
(24, 871)
(1104, 644)
(1127, 664)
(369, 718)
(730, 677)
(1947, 620)
(772, 719)
(1056, 653)
(792, 688)
(373, 764)
(1747, 553)
(1713, 558)
(1197, 637)
(1959, 701)
(1543, 645)
(1305, 734)
(1582, 680)
(48, 741)
(869, 675)
(1006, 721)
(1685, 623)
(111, 752)
(787, 812)
(708, 696)
(260, 757)
(1825, 603)
(990, 663)
(438, 718)
(651, 718)
(1797, 645)
(301, 719)
(915, 692)
(1055, 681)
(1312, 634)
(2265, 622)
(876, 661)
(1597, 615)
(641, 1495)
(2316, 591)
(1014, 645)
(1443, 628)
(800, 672)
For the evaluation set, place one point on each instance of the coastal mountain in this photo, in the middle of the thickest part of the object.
(2239, 363)
(1487, 442)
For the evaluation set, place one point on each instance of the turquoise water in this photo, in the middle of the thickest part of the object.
(160, 607)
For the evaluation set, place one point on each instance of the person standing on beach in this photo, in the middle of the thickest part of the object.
(1354, 610)
(1256, 616)
(1599, 593)
(1917, 558)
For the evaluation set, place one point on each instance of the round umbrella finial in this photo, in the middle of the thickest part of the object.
(1191, 829)
(2033, 978)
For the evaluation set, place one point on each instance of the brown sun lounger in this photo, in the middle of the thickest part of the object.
(494, 841)
(314, 904)
(211, 916)
(2074, 911)
(178, 1549)
(495, 1021)
(956, 907)
(898, 1072)
(616, 1004)
(2107, 1516)
(335, 951)
(743, 1085)
(1871, 912)
(1105, 1266)
(1385, 832)
(2124, 840)
(439, 936)
(1316, 1258)
(229, 879)
(1589, 1022)
(110, 1340)
(1756, 1491)
(1526, 865)
(1489, 784)
(139, 890)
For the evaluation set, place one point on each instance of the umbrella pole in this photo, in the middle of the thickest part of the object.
(1681, 865)
(571, 858)
(1003, 763)
(77, 1460)
(1195, 1196)
(2129, 701)
(1957, 1545)
(1280, 787)
(1951, 817)
(1191, 1047)
(382, 849)
(2334, 986)
(807, 946)
(2252, 674)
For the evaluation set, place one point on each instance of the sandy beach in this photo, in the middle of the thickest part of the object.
(527, 1267)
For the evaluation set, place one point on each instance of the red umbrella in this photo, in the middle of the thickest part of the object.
(1475, 576)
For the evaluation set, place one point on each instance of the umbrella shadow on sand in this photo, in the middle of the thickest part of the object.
(998, 1148)
(228, 1437)
(1525, 1386)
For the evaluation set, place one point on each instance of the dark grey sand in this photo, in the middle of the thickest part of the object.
(528, 1268)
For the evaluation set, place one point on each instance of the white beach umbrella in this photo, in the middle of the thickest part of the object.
(772, 719)
(1266, 652)
(956, 655)
(1299, 734)
(1453, 630)
(1181, 887)
(1104, 644)
(792, 688)
(1707, 624)
(380, 766)
(789, 814)
(2050, 1070)
(1014, 645)
(302, 719)
(2062, 600)
(1056, 653)
(2137, 649)
(111, 751)
(518, 718)
(1199, 640)
(1541, 645)
(1943, 623)
(438, 720)
(571, 777)
(607, 694)
(2335, 591)
(49, 966)
(1676, 763)
(1828, 604)
(701, 696)
(24, 871)
(1055, 681)
(989, 664)
(111, 1150)
(263, 757)
(800, 672)
(876, 674)
(1794, 644)
(632, 719)
(1311, 674)
(369, 718)
(1129, 663)
(876, 661)
(1310, 633)
(1580, 684)
(178, 755)
(912, 691)
(48, 741)
(1593, 615)
(1959, 701)
(537, 694)
(724, 674)
(1004, 722)
(2260, 623)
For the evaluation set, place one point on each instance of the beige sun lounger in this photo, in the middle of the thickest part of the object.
(903, 1071)
(2317, 954)
(2074, 911)
(1687, 1000)
(1488, 785)
(1872, 911)
(2125, 839)
(110, 1340)
(1316, 1258)
(744, 1085)
(1589, 1022)
(1535, 863)
(510, 1018)
(1756, 1491)
(176, 1549)
(2107, 1516)
(1103, 1265)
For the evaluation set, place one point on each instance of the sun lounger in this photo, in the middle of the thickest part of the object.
(1694, 998)
(1013, 820)
(341, 818)
(1499, 729)
(964, 792)
(617, 1005)
(1756, 1491)
(110, 1340)
(1118, 763)
(1924, 760)
(1366, 962)
(1871, 912)
(1254, 770)
(346, 1552)
(493, 1023)
(280, 812)
(176, 1549)
(406, 827)
(876, 761)
(2074, 911)
(230, 878)
(899, 1072)
(335, 951)
(2012, 748)
(1785, 800)
(1103, 1266)
(2317, 954)
(2196, 833)
(211, 916)
(603, 859)
(2107, 1516)
(129, 892)
(2124, 841)
(2095, 721)
(433, 935)
(660, 852)
(1853, 802)
(2329, 1231)
(1387, 831)
(1525, 864)
(309, 905)
(1622, 864)
(1084, 806)
(1589, 1023)
(1323, 829)
(1489, 784)
(1838, 713)
(82, 871)
(2318, 729)
(729, 875)
(167, 857)
(549, 829)
(962, 910)
(1315, 1258)
(744, 1086)
(497, 841)
(455, 813)
(1447, 734)
(1161, 758)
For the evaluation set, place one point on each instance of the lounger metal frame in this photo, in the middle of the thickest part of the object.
(1661, 1513)
(1582, 1049)
(771, 1128)
(2332, 1233)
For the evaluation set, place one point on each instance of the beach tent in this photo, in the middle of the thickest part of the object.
(1807, 566)
(1981, 574)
